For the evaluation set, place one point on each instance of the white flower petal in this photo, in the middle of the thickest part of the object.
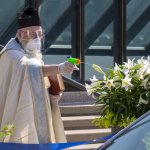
(142, 101)
(93, 79)
(87, 86)
(126, 82)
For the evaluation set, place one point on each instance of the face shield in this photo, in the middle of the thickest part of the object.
(33, 39)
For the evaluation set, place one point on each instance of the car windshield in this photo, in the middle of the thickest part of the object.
(135, 138)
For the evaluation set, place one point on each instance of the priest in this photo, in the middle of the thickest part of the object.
(24, 98)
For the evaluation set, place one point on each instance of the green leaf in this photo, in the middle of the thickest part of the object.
(120, 74)
(5, 128)
(1, 134)
(136, 67)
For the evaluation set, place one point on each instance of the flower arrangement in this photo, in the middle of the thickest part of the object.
(124, 92)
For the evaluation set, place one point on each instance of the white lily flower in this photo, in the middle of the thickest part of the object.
(108, 83)
(129, 64)
(139, 76)
(147, 69)
(94, 84)
(142, 60)
(144, 70)
(148, 59)
(146, 62)
(116, 68)
(125, 71)
(87, 86)
(141, 72)
(104, 77)
(126, 82)
(142, 101)
(93, 79)
(89, 89)
(144, 82)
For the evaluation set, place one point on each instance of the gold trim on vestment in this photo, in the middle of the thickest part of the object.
(33, 103)
(47, 112)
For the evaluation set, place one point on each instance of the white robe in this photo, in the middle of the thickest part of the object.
(24, 100)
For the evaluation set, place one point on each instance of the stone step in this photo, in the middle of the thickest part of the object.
(76, 97)
(85, 135)
(86, 147)
(81, 110)
(79, 122)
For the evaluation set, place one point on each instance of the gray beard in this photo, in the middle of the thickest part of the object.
(34, 54)
(31, 53)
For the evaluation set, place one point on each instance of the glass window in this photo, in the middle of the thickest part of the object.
(8, 12)
(135, 9)
(94, 9)
(106, 38)
(51, 12)
(104, 62)
(65, 37)
(142, 38)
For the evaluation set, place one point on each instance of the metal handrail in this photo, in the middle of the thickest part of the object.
(79, 85)
(74, 83)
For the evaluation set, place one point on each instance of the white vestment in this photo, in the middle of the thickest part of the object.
(24, 100)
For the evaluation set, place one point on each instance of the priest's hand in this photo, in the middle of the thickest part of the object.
(55, 98)
(62, 68)
(67, 68)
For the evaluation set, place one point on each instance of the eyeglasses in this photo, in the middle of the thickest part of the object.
(32, 34)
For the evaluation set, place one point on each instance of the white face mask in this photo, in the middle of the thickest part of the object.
(33, 46)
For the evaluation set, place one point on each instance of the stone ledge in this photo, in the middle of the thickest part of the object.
(76, 98)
